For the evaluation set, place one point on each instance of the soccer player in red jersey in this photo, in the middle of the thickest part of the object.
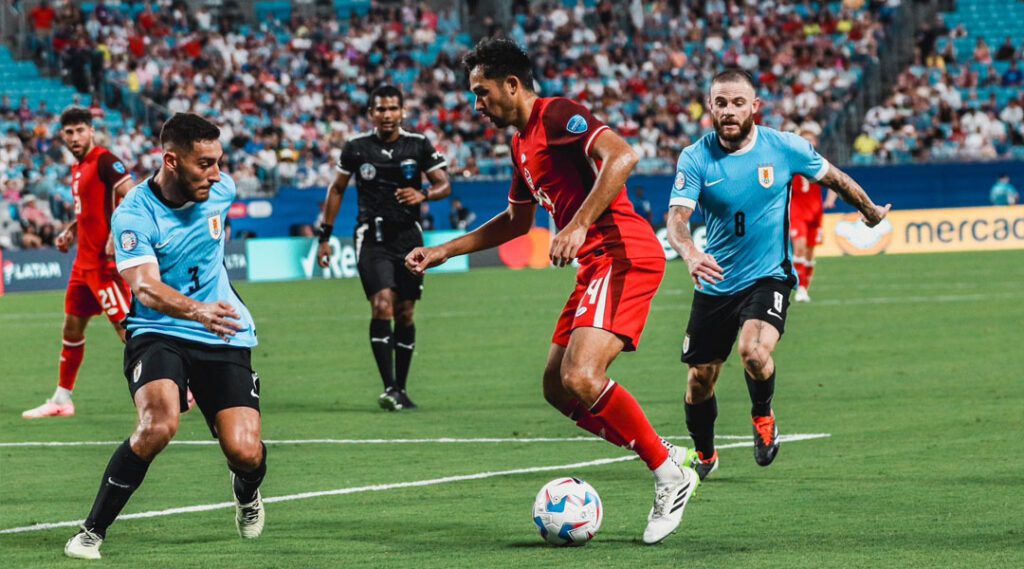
(98, 181)
(576, 167)
(805, 213)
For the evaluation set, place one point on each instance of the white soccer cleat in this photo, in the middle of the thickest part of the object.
(670, 499)
(249, 518)
(801, 295)
(84, 545)
(50, 409)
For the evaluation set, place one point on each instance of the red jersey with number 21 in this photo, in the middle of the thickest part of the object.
(552, 167)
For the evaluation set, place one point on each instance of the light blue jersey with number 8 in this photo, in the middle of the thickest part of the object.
(744, 196)
(187, 243)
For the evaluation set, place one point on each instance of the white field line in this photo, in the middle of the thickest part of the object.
(382, 487)
(443, 440)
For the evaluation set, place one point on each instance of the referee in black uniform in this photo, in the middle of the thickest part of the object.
(388, 164)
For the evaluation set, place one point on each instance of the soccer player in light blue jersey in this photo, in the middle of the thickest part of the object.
(740, 177)
(187, 328)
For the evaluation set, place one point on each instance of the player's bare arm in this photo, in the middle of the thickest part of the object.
(440, 188)
(851, 192)
(147, 287)
(516, 220)
(617, 161)
(335, 192)
(701, 265)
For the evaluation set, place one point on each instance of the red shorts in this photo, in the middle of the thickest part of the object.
(614, 295)
(808, 228)
(100, 291)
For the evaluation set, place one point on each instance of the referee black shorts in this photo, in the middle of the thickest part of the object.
(380, 258)
(219, 377)
(715, 321)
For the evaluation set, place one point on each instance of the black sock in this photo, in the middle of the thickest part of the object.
(761, 393)
(123, 475)
(700, 421)
(247, 483)
(381, 344)
(405, 343)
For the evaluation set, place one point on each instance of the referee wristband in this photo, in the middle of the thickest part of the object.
(325, 232)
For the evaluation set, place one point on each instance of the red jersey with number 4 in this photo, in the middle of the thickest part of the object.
(806, 202)
(552, 167)
(92, 185)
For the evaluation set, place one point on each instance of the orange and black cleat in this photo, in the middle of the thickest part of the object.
(766, 439)
(705, 466)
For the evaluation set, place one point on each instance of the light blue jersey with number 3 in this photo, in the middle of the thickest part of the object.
(187, 243)
(744, 196)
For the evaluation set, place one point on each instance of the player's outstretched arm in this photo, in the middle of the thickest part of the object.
(617, 161)
(516, 220)
(701, 265)
(841, 183)
(153, 293)
(335, 192)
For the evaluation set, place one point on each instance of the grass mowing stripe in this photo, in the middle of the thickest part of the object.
(382, 487)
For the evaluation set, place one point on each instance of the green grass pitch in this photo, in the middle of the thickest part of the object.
(911, 364)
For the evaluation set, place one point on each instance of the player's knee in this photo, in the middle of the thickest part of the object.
(580, 380)
(72, 332)
(755, 358)
(404, 316)
(247, 456)
(382, 308)
(157, 434)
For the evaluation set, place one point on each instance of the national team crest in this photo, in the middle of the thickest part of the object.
(216, 226)
(409, 169)
(766, 176)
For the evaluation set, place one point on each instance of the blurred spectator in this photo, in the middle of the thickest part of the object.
(460, 217)
(426, 218)
(1012, 77)
(37, 225)
(1006, 51)
(1003, 192)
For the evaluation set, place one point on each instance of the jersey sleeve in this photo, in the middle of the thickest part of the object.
(518, 192)
(133, 238)
(569, 124)
(803, 158)
(229, 185)
(111, 170)
(348, 162)
(430, 158)
(687, 183)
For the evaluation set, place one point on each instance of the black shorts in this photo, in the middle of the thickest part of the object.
(220, 378)
(715, 321)
(380, 258)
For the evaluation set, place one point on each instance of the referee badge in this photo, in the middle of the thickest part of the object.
(409, 168)
(766, 176)
(368, 171)
(216, 226)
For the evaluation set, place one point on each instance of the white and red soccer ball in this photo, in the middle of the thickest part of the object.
(568, 512)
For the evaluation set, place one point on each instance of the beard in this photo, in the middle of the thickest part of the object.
(745, 128)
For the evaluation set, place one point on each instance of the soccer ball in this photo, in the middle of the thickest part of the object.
(568, 512)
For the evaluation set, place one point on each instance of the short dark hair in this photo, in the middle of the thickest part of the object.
(75, 115)
(386, 90)
(734, 75)
(185, 129)
(499, 58)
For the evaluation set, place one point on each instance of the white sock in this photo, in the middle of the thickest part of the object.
(667, 473)
(62, 396)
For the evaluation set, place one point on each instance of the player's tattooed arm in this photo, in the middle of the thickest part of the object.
(701, 265)
(841, 183)
(148, 289)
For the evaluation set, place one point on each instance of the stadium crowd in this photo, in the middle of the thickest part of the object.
(288, 94)
(935, 111)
